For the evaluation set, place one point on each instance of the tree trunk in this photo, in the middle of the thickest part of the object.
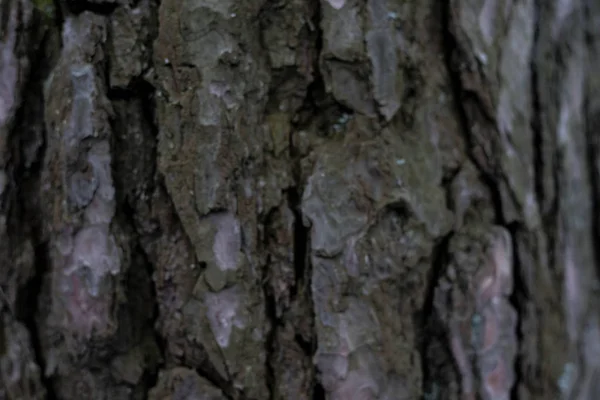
(299, 199)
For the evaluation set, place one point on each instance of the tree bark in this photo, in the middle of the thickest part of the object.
(299, 199)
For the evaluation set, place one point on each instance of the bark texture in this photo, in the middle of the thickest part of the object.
(299, 199)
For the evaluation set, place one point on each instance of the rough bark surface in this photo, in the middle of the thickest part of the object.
(299, 199)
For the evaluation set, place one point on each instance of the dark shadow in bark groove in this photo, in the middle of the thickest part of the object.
(142, 89)
(271, 313)
(520, 295)
(27, 301)
(518, 298)
(27, 308)
(5, 16)
(302, 264)
(592, 124)
(536, 122)
(300, 239)
(460, 96)
(58, 17)
(151, 377)
(310, 109)
(593, 150)
(78, 6)
(301, 269)
(145, 92)
(318, 392)
(210, 373)
(26, 208)
(427, 322)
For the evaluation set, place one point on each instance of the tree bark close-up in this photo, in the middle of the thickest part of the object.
(300, 199)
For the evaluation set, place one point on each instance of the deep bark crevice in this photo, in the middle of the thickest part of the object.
(28, 297)
(428, 324)
(59, 16)
(79, 6)
(302, 234)
(27, 309)
(450, 46)
(318, 392)
(143, 91)
(210, 373)
(490, 179)
(151, 377)
(300, 239)
(593, 150)
(591, 125)
(536, 121)
(270, 342)
(519, 298)
(460, 96)
(25, 212)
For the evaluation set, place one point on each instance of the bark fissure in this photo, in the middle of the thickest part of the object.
(100, 8)
(145, 93)
(270, 345)
(536, 122)
(519, 299)
(429, 323)
(490, 172)
(302, 272)
(23, 211)
(30, 306)
(591, 125)
(300, 240)
(450, 46)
